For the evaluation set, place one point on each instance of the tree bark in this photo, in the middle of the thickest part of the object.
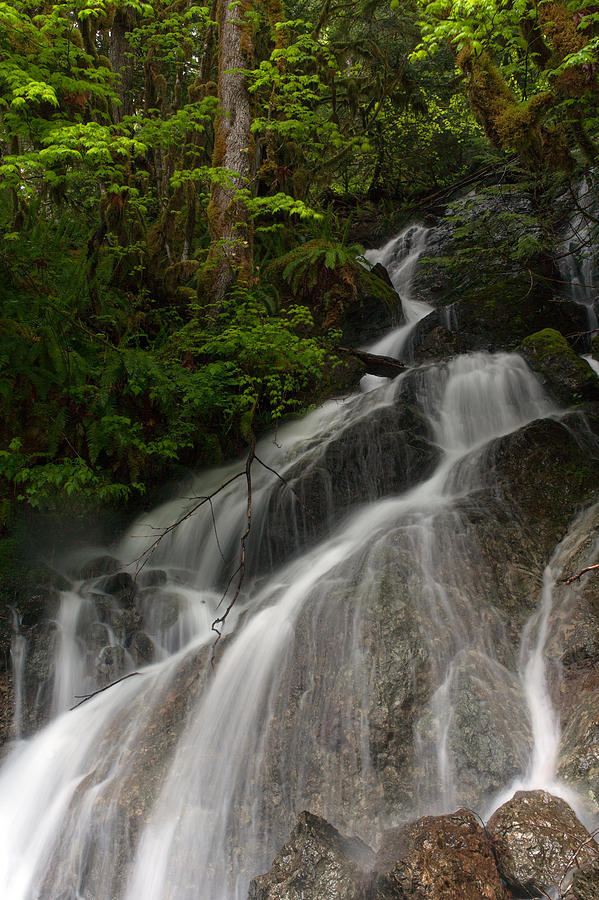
(231, 252)
(121, 63)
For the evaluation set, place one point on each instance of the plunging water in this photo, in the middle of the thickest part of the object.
(365, 657)
(577, 260)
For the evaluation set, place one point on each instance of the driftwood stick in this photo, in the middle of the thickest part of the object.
(383, 366)
(576, 576)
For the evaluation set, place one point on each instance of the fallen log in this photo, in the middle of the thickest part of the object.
(383, 366)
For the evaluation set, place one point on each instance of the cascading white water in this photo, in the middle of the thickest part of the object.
(18, 651)
(119, 799)
(400, 257)
(577, 258)
(542, 769)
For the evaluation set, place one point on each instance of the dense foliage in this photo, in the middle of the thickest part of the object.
(120, 358)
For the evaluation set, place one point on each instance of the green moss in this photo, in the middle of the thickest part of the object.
(377, 288)
(509, 124)
(502, 313)
(569, 378)
(548, 343)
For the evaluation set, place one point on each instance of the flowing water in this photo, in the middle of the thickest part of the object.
(366, 673)
(577, 261)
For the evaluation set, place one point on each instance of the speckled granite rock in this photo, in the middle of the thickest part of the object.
(539, 843)
(437, 858)
(316, 862)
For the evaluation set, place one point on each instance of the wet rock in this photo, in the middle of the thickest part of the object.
(142, 764)
(125, 622)
(99, 565)
(546, 471)
(489, 732)
(152, 577)
(121, 586)
(316, 861)
(143, 649)
(434, 341)
(539, 842)
(579, 748)
(497, 297)
(96, 636)
(568, 377)
(380, 271)
(110, 663)
(376, 455)
(160, 609)
(437, 857)
(585, 884)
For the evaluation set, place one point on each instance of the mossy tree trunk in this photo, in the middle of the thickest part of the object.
(231, 252)
(519, 126)
(120, 55)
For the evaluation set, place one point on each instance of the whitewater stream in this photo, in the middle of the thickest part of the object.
(364, 652)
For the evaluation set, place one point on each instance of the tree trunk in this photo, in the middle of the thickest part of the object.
(231, 252)
(121, 62)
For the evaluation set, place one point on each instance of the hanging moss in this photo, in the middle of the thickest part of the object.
(179, 273)
(509, 124)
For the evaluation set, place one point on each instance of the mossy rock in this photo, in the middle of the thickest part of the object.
(499, 315)
(565, 475)
(569, 378)
(340, 293)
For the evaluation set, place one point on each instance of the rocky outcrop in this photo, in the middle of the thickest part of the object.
(539, 843)
(436, 858)
(566, 376)
(380, 453)
(485, 271)
(340, 293)
(315, 862)
(579, 750)
(532, 846)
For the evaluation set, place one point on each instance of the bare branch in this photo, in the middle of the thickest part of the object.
(105, 688)
(574, 857)
(241, 568)
(287, 484)
(144, 557)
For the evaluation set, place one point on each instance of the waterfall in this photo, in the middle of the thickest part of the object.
(577, 258)
(400, 257)
(366, 671)
(18, 650)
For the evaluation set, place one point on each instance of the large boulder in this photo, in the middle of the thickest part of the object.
(316, 862)
(568, 377)
(340, 292)
(382, 450)
(437, 858)
(546, 471)
(539, 843)
(486, 271)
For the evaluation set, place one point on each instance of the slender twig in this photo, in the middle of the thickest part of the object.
(105, 688)
(144, 557)
(220, 549)
(574, 857)
(241, 568)
(286, 483)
